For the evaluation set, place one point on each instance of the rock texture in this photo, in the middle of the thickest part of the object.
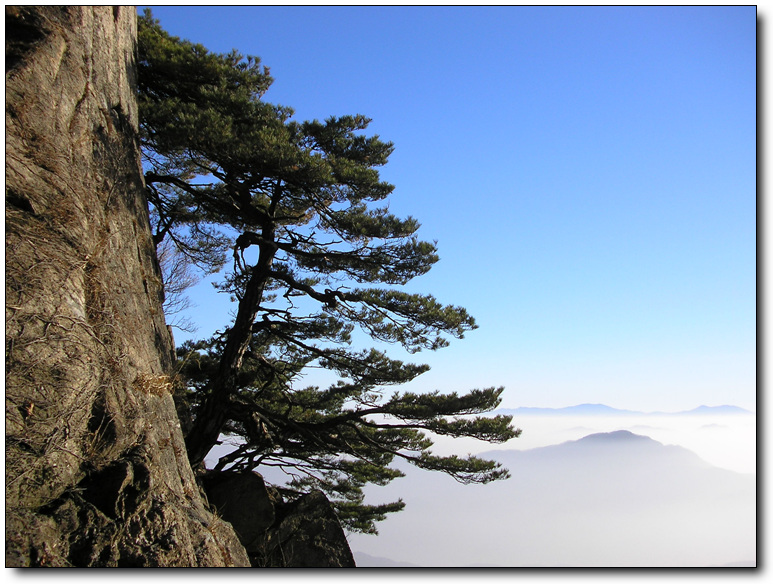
(308, 535)
(304, 533)
(96, 468)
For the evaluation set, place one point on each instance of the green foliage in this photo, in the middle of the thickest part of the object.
(315, 258)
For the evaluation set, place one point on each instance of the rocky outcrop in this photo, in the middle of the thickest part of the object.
(308, 535)
(96, 468)
(303, 533)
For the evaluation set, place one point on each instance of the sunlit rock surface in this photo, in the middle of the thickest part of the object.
(96, 469)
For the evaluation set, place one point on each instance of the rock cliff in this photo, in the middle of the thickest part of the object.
(96, 468)
(301, 533)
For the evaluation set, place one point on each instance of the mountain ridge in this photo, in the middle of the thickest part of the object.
(364, 560)
(622, 446)
(588, 409)
(610, 481)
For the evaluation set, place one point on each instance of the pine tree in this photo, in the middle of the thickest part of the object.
(316, 257)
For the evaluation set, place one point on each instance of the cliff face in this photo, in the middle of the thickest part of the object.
(96, 468)
(303, 533)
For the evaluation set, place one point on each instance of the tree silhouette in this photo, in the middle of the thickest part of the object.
(316, 257)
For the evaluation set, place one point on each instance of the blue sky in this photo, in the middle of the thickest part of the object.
(589, 175)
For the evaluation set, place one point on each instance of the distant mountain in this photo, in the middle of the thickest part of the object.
(579, 410)
(617, 436)
(605, 500)
(621, 454)
(367, 561)
(715, 410)
(602, 410)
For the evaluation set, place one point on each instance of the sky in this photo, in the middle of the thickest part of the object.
(589, 174)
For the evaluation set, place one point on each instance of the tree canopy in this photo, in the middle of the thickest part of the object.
(316, 258)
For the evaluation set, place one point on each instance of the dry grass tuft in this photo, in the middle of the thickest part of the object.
(154, 384)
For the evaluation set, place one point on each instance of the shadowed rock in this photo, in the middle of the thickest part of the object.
(304, 533)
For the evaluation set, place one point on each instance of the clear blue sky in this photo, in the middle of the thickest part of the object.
(589, 174)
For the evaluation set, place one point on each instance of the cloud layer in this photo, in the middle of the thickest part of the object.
(608, 499)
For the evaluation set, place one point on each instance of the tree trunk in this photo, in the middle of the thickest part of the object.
(212, 415)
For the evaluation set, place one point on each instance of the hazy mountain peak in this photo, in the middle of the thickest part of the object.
(616, 436)
(642, 498)
(589, 409)
(726, 409)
